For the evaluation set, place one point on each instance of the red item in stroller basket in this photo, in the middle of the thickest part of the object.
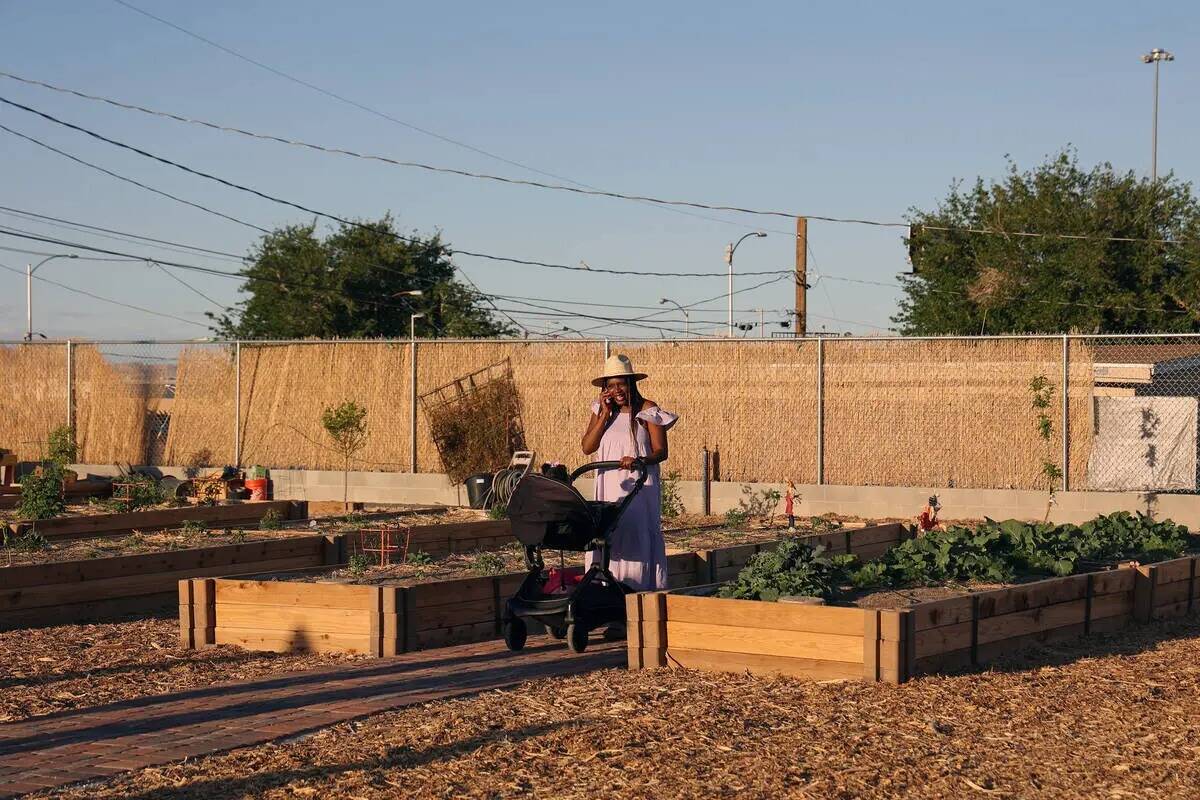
(560, 579)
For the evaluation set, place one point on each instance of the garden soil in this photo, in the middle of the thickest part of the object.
(1110, 717)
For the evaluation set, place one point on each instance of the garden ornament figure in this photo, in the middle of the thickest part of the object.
(928, 521)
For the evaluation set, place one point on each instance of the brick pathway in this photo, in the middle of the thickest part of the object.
(95, 743)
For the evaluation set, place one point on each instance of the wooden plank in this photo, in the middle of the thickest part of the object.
(871, 552)
(936, 613)
(463, 634)
(459, 590)
(278, 642)
(204, 613)
(651, 633)
(891, 652)
(762, 664)
(291, 593)
(943, 639)
(294, 618)
(788, 643)
(454, 614)
(112, 588)
(232, 555)
(112, 610)
(1032, 595)
(186, 621)
(772, 616)
(889, 533)
(1024, 623)
(1169, 594)
(100, 524)
(633, 623)
(1113, 580)
(870, 652)
(1178, 569)
(1143, 593)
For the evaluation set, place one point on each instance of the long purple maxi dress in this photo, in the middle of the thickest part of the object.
(639, 553)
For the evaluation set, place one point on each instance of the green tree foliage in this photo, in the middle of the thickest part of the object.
(972, 283)
(346, 425)
(343, 286)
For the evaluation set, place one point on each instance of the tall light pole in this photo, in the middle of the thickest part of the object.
(681, 308)
(412, 325)
(29, 270)
(1155, 56)
(729, 251)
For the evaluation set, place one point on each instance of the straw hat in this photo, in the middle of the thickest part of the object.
(618, 367)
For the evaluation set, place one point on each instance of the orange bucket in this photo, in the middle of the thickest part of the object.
(260, 488)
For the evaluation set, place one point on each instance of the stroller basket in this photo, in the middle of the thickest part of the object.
(549, 513)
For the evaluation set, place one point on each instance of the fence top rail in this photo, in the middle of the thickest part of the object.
(602, 341)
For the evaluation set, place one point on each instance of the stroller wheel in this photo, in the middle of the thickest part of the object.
(515, 633)
(577, 638)
(558, 631)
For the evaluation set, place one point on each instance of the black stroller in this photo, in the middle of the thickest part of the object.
(550, 512)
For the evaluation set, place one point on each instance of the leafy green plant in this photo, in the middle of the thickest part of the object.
(359, 563)
(419, 559)
(271, 521)
(141, 491)
(60, 446)
(792, 568)
(671, 502)
(42, 495)
(346, 425)
(355, 519)
(238, 536)
(736, 517)
(487, 563)
(824, 524)
(498, 511)
(193, 529)
(28, 542)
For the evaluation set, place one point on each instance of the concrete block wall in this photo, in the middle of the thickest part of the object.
(875, 502)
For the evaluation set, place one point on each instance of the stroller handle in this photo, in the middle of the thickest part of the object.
(638, 464)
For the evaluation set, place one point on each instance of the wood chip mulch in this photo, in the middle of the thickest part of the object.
(44, 670)
(1111, 717)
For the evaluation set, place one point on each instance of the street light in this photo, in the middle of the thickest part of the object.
(681, 308)
(29, 270)
(411, 293)
(1154, 57)
(729, 251)
(412, 325)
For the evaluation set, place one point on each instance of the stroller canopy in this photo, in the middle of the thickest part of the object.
(553, 514)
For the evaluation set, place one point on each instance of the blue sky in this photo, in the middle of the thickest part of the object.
(838, 109)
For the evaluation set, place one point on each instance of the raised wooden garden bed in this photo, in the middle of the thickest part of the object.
(104, 588)
(669, 629)
(95, 525)
(463, 537)
(266, 613)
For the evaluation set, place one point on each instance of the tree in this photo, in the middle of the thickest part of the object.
(344, 286)
(998, 282)
(346, 425)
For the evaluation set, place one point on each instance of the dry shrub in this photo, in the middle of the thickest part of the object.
(478, 431)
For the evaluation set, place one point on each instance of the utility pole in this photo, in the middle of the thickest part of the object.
(801, 276)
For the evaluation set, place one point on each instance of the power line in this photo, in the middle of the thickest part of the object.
(138, 184)
(104, 299)
(380, 114)
(120, 235)
(188, 286)
(352, 223)
(577, 188)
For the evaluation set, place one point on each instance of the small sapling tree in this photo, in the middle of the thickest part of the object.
(1042, 392)
(346, 425)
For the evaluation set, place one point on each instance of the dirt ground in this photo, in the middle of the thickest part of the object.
(43, 670)
(199, 536)
(1113, 717)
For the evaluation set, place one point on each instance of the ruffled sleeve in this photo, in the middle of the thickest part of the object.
(658, 416)
(595, 407)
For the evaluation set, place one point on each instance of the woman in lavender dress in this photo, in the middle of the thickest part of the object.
(625, 426)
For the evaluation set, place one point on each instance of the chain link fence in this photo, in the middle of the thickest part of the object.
(1117, 413)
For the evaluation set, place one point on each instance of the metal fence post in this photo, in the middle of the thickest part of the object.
(820, 411)
(412, 403)
(1066, 414)
(71, 389)
(237, 404)
(607, 350)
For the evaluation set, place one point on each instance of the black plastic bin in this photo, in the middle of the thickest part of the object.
(478, 486)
